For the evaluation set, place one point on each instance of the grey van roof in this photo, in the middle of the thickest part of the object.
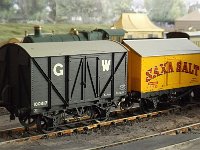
(162, 47)
(71, 48)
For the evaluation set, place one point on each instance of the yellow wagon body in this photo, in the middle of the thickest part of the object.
(162, 64)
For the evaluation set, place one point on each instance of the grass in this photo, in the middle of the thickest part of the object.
(11, 30)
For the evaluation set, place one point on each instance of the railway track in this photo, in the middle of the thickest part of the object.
(16, 135)
(181, 130)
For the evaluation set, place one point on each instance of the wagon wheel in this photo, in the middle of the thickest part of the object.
(88, 112)
(183, 101)
(44, 124)
(102, 114)
(147, 106)
(27, 121)
(196, 93)
(127, 104)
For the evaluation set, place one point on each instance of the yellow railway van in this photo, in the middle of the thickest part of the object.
(162, 67)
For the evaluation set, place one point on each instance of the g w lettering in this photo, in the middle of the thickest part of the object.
(106, 65)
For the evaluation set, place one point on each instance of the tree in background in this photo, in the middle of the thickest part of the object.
(165, 11)
(84, 11)
(6, 4)
(194, 7)
(120, 6)
(113, 9)
(52, 11)
(31, 9)
(87, 11)
(5, 9)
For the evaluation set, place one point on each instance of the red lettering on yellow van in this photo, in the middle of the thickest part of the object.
(178, 69)
(196, 68)
(149, 75)
(171, 69)
(185, 68)
(190, 68)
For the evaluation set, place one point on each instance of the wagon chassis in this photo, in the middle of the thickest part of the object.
(31, 134)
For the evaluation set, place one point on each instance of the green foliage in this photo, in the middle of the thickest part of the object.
(194, 7)
(29, 8)
(5, 4)
(165, 11)
(122, 6)
(90, 10)
(113, 9)
(5, 9)
(85, 9)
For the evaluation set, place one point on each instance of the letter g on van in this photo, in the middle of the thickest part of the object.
(58, 69)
